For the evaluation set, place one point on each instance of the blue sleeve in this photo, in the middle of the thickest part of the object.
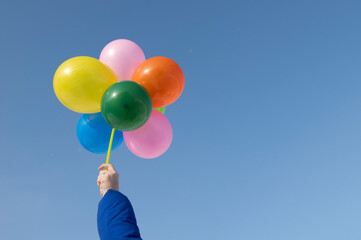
(116, 218)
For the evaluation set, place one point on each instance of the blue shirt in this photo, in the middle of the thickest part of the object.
(116, 218)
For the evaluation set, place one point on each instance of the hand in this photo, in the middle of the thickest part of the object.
(107, 179)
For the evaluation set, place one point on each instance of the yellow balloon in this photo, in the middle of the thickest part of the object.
(79, 83)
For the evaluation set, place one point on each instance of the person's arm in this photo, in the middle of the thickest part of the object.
(116, 218)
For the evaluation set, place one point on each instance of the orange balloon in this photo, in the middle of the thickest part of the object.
(163, 79)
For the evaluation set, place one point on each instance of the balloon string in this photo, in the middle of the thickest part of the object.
(110, 145)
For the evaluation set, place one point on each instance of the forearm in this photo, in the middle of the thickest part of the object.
(116, 218)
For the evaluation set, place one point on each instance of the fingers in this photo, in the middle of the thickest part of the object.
(108, 178)
(107, 166)
(101, 176)
(99, 180)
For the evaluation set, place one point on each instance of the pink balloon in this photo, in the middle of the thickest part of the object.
(152, 139)
(123, 57)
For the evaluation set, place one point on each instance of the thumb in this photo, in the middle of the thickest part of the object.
(107, 166)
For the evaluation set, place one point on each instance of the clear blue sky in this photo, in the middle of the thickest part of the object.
(267, 133)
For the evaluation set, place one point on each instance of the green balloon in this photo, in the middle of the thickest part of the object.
(160, 109)
(126, 106)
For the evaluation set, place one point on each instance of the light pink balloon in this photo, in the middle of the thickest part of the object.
(123, 57)
(152, 139)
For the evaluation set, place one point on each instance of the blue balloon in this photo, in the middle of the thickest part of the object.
(94, 133)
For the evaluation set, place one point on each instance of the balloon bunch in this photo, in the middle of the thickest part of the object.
(117, 94)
